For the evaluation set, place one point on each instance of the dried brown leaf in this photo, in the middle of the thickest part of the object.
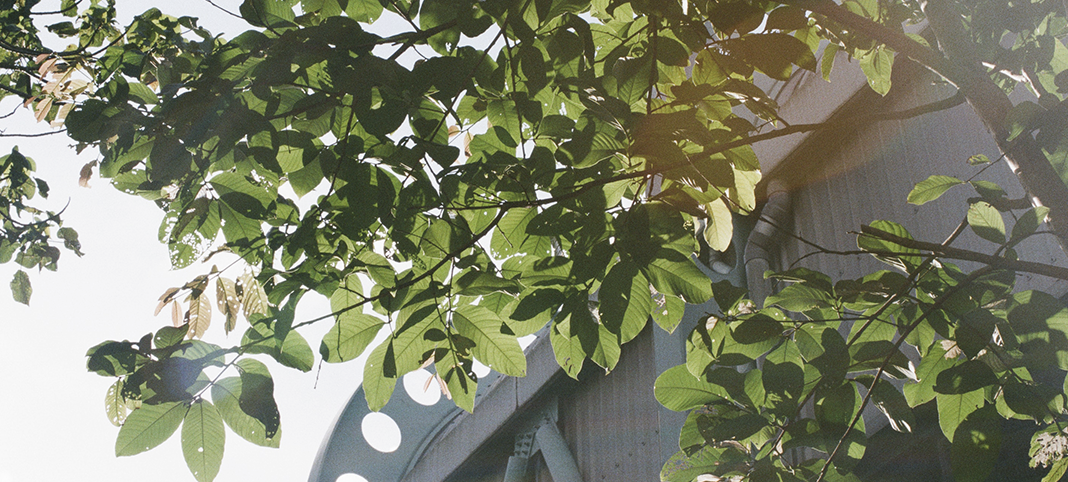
(47, 66)
(42, 108)
(176, 315)
(164, 299)
(83, 179)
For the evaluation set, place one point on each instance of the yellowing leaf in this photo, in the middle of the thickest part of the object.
(229, 303)
(42, 109)
(176, 314)
(115, 404)
(198, 316)
(253, 297)
(166, 298)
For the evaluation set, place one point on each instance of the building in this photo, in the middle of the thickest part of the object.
(820, 186)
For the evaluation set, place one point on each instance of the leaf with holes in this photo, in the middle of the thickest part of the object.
(20, 287)
(227, 394)
(149, 426)
(115, 404)
(986, 222)
(229, 303)
(199, 316)
(203, 437)
(253, 298)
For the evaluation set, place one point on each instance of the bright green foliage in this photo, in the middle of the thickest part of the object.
(932, 188)
(562, 171)
(202, 440)
(24, 229)
(839, 345)
(568, 119)
(148, 427)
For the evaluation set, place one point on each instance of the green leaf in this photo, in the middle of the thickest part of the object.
(678, 390)
(976, 444)
(477, 283)
(349, 336)
(674, 274)
(986, 222)
(772, 53)
(227, 394)
(756, 329)
(379, 376)
(720, 229)
(800, 297)
(1028, 223)
(931, 188)
(498, 350)
(905, 260)
(257, 395)
(877, 65)
(966, 377)
(20, 287)
(148, 426)
(1057, 471)
(954, 408)
(892, 403)
(202, 440)
(625, 301)
(930, 367)
(295, 352)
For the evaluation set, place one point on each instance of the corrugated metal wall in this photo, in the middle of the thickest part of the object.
(841, 180)
(610, 422)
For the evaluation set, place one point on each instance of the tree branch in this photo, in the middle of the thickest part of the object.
(963, 254)
(989, 102)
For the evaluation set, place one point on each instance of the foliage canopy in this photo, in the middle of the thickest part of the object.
(547, 162)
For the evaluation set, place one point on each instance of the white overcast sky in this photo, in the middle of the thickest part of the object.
(53, 426)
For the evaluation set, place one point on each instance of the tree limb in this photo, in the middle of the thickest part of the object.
(990, 103)
(966, 255)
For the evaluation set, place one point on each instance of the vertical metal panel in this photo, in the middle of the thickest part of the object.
(611, 423)
(845, 179)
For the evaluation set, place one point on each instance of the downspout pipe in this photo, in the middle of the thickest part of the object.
(763, 244)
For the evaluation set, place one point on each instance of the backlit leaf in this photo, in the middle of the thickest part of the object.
(20, 287)
(149, 426)
(986, 221)
(931, 188)
(115, 404)
(229, 303)
(202, 440)
(499, 351)
(199, 315)
(227, 394)
(349, 336)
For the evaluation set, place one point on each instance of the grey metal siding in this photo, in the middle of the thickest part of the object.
(841, 180)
